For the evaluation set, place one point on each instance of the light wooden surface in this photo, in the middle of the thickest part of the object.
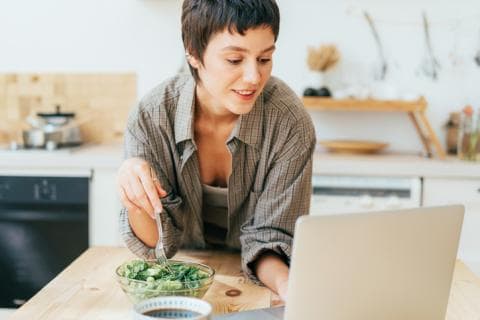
(352, 146)
(329, 104)
(415, 109)
(87, 289)
(101, 102)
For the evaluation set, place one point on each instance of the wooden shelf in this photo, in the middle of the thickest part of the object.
(320, 103)
(414, 109)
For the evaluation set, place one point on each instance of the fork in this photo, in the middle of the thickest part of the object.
(159, 250)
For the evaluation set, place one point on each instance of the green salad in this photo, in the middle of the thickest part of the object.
(146, 279)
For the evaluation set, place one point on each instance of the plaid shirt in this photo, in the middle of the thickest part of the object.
(270, 183)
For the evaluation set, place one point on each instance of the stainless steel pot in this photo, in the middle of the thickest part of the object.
(63, 127)
(33, 138)
(37, 138)
(52, 130)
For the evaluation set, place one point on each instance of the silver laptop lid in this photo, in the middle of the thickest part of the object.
(379, 265)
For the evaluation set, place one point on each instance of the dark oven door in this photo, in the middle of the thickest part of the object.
(43, 228)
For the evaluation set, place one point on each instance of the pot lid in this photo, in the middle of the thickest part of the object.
(57, 113)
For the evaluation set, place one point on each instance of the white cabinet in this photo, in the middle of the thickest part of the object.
(439, 191)
(104, 208)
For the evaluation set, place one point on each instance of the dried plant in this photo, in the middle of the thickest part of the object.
(323, 58)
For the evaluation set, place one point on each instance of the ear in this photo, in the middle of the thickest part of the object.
(192, 61)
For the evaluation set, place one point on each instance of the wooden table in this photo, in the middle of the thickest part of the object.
(87, 289)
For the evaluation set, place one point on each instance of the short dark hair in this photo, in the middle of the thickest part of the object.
(201, 19)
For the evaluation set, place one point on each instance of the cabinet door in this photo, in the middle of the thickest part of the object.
(459, 191)
(104, 209)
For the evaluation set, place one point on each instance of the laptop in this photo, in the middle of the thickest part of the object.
(378, 265)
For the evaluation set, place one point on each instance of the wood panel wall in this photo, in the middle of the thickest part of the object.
(101, 102)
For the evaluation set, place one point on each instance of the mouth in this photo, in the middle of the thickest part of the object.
(245, 94)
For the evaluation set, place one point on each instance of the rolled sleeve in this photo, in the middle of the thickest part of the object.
(130, 239)
(285, 198)
(171, 231)
(137, 145)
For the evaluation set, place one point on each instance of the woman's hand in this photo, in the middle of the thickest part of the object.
(139, 188)
(282, 287)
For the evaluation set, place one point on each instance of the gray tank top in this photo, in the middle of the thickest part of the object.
(215, 214)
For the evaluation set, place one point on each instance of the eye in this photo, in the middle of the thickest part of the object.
(264, 60)
(234, 61)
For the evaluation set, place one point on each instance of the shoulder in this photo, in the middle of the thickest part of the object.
(164, 95)
(281, 103)
(280, 97)
(160, 103)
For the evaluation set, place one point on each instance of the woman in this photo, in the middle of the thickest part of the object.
(228, 149)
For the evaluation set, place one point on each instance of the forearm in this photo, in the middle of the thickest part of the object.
(144, 227)
(272, 271)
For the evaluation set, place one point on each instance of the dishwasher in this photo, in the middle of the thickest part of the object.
(43, 228)
(351, 194)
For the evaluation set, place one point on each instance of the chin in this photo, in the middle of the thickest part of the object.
(241, 109)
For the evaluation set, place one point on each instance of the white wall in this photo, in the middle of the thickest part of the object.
(92, 36)
(144, 36)
(455, 34)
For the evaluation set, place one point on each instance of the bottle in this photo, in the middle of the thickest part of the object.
(452, 132)
(467, 140)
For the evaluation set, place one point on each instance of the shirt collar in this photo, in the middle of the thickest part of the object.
(249, 126)
(185, 112)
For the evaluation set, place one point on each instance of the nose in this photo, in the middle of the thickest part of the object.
(251, 73)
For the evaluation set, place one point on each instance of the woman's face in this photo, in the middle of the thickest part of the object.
(235, 69)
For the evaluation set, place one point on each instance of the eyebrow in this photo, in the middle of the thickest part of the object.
(240, 49)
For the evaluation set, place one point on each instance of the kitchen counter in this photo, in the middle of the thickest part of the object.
(401, 165)
(110, 156)
(100, 163)
(87, 289)
(81, 157)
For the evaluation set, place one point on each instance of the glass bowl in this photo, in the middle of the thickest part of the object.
(139, 290)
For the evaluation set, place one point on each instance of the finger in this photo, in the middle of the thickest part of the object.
(128, 180)
(139, 197)
(147, 178)
(130, 197)
(161, 192)
(130, 206)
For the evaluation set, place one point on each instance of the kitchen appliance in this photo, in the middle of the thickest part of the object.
(52, 130)
(43, 228)
(347, 194)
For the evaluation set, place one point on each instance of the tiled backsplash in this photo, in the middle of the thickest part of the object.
(101, 102)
